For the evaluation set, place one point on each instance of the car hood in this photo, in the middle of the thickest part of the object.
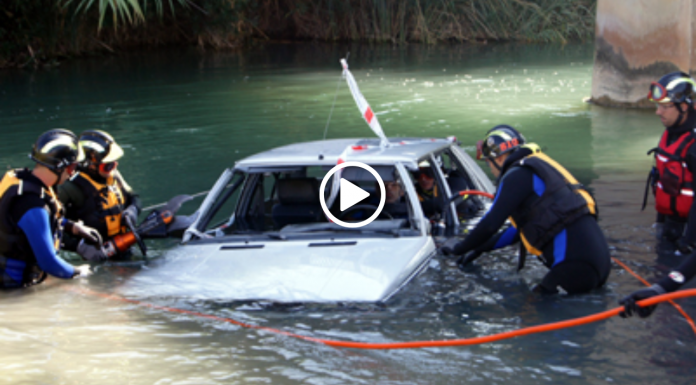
(352, 270)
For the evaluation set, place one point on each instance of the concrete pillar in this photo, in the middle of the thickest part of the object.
(638, 41)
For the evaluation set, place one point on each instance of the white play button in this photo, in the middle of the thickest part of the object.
(351, 194)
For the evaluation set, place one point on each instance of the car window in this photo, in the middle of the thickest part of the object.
(273, 200)
(459, 180)
(226, 202)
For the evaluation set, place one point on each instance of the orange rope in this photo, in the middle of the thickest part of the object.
(430, 344)
(415, 344)
(476, 192)
(679, 308)
(628, 269)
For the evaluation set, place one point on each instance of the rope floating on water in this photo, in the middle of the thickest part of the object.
(679, 308)
(425, 344)
(407, 345)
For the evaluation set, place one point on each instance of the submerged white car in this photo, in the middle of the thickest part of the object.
(261, 233)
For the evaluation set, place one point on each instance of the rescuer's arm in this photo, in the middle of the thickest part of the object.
(514, 188)
(35, 225)
(133, 204)
(673, 281)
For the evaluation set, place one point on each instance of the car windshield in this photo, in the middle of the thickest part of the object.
(286, 200)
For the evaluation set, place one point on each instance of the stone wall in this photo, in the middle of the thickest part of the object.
(638, 41)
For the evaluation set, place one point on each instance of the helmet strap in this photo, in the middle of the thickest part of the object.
(681, 113)
(494, 163)
(55, 170)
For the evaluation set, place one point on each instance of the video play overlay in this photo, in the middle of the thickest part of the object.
(356, 194)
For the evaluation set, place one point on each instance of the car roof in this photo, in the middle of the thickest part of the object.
(328, 152)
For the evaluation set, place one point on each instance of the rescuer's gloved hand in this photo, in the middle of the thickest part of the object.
(468, 258)
(630, 305)
(448, 247)
(90, 235)
(82, 271)
(131, 212)
(90, 252)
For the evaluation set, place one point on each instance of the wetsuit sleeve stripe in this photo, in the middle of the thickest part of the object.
(507, 238)
(35, 225)
(15, 269)
(539, 185)
(560, 243)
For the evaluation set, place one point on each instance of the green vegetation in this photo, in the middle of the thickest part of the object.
(430, 21)
(36, 32)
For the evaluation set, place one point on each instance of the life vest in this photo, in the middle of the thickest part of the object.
(430, 203)
(13, 243)
(423, 195)
(563, 201)
(103, 205)
(674, 192)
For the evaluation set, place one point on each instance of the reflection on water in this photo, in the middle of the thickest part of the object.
(182, 117)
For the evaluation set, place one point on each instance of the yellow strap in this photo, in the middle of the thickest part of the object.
(10, 179)
(526, 243)
(569, 178)
(114, 198)
(591, 205)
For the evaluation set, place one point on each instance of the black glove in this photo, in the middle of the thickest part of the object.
(90, 235)
(468, 258)
(630, 305)
(448, 247)
(131, 212)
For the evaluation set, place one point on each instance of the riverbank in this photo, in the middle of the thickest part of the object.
(35, 35)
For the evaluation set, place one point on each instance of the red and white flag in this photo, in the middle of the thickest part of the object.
(364, 108)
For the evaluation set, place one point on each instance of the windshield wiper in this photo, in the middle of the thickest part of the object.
(394, 232)
(272, 235)
(278, 236)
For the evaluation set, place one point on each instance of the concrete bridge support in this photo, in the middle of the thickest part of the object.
(636, 42)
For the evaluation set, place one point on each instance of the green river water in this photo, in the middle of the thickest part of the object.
(182, 117)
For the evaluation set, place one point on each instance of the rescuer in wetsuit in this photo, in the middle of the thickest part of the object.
(668, 284)
(552, 214)
(673, 198)
(31, 217)
(99, 195)
(672, 177)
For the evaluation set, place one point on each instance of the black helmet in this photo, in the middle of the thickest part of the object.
(499, 140)
(99, 147)
(675, 87)
(57, 149)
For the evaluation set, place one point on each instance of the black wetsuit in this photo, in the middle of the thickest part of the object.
(33, 222)
(687, 270)
(674, 224)
(578, 256)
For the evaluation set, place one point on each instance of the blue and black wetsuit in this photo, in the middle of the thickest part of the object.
(30, 233)
(577, 253)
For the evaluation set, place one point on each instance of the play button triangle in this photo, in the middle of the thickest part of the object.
(351, 194)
